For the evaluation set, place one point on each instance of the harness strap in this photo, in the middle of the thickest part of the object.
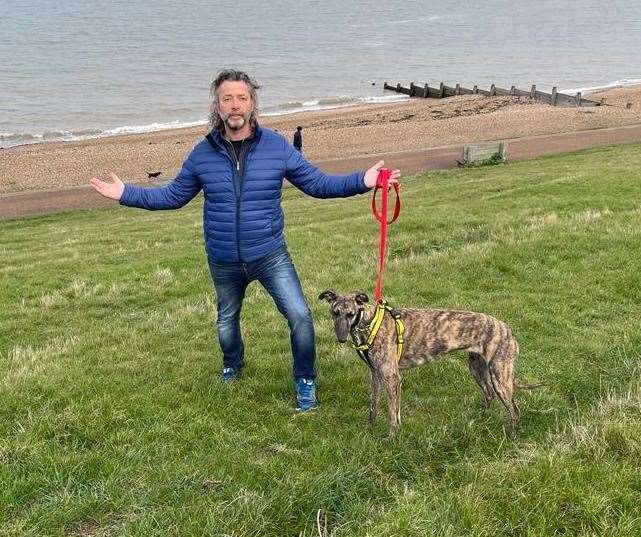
(400, 330)
(374, 327)
(364, 355)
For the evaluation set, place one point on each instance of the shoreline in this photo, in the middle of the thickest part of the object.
(182, 125)
(276, 112)
(336, 133)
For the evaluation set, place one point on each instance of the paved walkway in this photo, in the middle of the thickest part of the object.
(84, 197)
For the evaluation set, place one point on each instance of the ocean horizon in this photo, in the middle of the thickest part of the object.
(79, 70)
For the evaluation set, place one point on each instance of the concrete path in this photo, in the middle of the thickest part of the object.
(84, 197)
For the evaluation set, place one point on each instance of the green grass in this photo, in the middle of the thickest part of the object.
(112, 421)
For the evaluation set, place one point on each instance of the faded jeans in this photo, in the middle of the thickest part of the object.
(277, 274)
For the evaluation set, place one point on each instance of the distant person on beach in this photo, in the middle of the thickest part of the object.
(240, 167)
(298, 139)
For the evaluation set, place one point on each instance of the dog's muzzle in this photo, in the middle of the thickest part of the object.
(342, 328)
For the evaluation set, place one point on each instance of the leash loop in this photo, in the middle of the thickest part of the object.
(382, 184)
(397, 205)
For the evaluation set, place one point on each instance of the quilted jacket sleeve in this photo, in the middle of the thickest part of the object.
(316, 183)
(174, 195)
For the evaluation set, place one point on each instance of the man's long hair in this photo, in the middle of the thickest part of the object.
(215, 121)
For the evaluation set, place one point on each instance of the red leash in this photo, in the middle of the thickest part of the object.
(382, 184)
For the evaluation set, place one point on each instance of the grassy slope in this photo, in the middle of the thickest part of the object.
(112, 420)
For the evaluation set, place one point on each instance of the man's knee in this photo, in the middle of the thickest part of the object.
(299, 316)
(227, 319)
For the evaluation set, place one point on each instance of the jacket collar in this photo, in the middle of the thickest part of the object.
(216, 136)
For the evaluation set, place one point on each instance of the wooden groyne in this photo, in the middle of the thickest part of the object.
(555, 98)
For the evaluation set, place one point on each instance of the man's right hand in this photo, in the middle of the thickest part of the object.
(111, 190)
(371, 175)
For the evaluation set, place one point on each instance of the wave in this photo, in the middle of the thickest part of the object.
(11, 139)
(290, 107)
(608, 86)
(153, 127)
(430, 18)
(328, 103)
(384, 98)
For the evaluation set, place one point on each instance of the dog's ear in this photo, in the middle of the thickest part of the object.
(361, 298)
(328, 295)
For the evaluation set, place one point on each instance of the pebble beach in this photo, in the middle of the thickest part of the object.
(329, 134)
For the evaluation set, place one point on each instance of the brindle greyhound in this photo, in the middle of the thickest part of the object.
(429, 333)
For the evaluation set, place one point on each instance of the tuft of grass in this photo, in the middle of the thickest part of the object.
(112, 421)
(493, 160)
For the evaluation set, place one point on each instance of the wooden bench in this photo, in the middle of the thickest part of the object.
(483, 152)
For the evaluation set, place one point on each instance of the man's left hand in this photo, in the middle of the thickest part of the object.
(372, 174)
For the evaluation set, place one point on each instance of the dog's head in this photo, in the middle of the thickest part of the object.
(345, 310)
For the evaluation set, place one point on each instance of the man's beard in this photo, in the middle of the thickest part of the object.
(235, 123)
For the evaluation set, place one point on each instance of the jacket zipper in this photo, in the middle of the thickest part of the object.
(237, 192)
(238, 176)
(240, 181)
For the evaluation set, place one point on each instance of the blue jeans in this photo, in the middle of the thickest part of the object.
(277, 274)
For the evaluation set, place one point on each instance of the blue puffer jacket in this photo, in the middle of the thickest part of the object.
(243, 218)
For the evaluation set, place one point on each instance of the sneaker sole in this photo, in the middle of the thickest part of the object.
(299, 409)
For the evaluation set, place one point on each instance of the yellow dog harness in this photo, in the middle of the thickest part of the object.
(374, 327)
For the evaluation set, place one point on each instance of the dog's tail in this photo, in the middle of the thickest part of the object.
(530, 386)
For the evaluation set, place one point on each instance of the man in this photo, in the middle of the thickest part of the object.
(240, 167)
(298, 139)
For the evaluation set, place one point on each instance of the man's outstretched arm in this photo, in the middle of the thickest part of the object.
(171, 196)
(314, 182)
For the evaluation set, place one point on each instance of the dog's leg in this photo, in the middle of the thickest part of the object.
(375, 395)
(478, 368)
(502, 374)
(392, 380)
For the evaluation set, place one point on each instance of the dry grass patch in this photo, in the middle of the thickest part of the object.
(25, 362)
